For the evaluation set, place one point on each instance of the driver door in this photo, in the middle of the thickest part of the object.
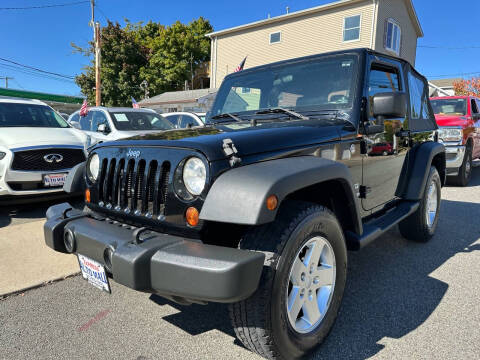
(381, 169)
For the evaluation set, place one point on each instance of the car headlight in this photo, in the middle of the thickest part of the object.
(194, 175)
(2, 155)
(450, 134)
(93, 167)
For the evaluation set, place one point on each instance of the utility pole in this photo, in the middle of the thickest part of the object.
(98, 83)
(6, 78)
(191, 67)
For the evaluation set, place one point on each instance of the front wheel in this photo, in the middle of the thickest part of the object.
(302, 283)
(421, 225)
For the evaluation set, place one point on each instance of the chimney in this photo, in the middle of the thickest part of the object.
(288, 9)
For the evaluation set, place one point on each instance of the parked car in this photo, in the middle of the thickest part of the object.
(182, 120)
(258, 208)
(382, 149)
(37, 149)
(111, 123)
(459, 120)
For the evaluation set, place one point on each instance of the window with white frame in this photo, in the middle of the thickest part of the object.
(393, 36)
(351, 28)
(275, 37)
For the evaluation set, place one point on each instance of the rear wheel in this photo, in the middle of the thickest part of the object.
(465, 171)
(302, 283)
(421, 225)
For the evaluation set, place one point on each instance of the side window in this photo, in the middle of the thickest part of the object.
(99, 118)
(173, 119)
(474, 107)
(418, 98)
(187, 121)
(86, 121)
(382, 79)
(75, 118)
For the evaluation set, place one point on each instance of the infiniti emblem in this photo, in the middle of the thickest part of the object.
(53, 158)
(133, 153)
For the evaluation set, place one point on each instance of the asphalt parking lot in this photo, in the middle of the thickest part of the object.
(403, 301)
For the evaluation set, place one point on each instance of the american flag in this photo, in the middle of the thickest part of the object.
(134, 104)
(241, 65)
(84, 108)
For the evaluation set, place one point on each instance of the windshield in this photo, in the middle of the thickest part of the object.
(449, 106)
(325, 83)
(30, 115)
(139, 120)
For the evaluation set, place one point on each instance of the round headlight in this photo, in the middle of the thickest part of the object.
(194, 175)
(93, 167)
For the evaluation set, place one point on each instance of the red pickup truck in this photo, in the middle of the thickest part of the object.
(458, 118)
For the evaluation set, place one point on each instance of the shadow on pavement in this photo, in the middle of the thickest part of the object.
(389, 290)
(26, 212)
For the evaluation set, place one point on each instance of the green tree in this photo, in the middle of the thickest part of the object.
(164, 56)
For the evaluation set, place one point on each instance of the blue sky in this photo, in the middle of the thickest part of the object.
(41, 37)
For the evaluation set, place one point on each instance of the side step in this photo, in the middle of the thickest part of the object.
(376, 227)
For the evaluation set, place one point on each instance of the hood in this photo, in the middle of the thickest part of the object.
(449, 120)
(16, 137)
(248, 140)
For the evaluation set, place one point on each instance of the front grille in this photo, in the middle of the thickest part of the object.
(34, 160)
(134, 186)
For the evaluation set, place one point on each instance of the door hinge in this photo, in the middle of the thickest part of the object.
(231, 151)
(364, 190)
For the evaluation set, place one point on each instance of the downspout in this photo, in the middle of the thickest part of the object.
(374, 20)
(214, 83)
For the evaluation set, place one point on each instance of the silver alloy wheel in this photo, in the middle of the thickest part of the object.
(432, 204)
(311, 284)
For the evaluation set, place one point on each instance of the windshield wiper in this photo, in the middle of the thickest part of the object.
(283, 111)
(227, 115)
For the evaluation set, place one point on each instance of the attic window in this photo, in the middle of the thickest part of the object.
(351, 28)
(275, 37)
(393, 36)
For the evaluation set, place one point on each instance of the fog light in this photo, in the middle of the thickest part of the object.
(107, 257)
(69, 241)
(192, 216)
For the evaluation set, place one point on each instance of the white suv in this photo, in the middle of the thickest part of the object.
(110, 123)
(37, 148)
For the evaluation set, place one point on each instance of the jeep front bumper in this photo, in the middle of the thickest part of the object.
(156, 263)
(454, 156)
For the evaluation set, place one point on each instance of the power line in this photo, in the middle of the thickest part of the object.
(32, 73)
(448, 47)
(37, 69)
(44, 6)
(450, 75)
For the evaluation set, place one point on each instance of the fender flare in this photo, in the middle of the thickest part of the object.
(75, 182)
(239, 195)
(421, 158)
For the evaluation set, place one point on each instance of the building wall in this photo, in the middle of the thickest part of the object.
(397, 10)
(301, 36)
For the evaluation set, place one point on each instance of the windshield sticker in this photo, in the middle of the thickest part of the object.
(121, 117)
(237, 126)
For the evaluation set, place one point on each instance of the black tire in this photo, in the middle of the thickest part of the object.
(415, 227)
(261, 322)
(465, 171)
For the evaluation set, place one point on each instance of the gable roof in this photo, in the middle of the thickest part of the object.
(177, 97)
(320, 8)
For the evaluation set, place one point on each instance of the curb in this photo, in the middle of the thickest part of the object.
(36, 286)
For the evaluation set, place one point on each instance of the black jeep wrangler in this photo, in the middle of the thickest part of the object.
(258, 208)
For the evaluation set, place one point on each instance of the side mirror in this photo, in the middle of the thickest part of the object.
(103, 129)
(389, 105)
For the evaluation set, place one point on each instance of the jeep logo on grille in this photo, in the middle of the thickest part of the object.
(133, 153)
(53, 158)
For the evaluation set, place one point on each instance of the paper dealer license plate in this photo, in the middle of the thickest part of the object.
(94, 273)
(54, 180)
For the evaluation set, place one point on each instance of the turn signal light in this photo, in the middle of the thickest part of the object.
(272, 202)
(192, 216)
(87, 195)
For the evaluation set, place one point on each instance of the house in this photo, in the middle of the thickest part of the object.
(388, 26)
(442, 87)
(199, 100)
